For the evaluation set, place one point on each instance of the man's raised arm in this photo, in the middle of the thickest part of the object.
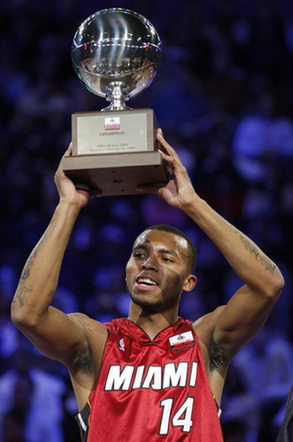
(50, 330)
(248, 309)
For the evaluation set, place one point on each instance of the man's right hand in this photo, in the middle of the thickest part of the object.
(66, 188)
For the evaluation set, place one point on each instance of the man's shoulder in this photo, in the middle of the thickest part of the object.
(115, 323)
(209, 318)
(86, 323)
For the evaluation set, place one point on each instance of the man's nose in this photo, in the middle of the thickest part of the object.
(150, 263)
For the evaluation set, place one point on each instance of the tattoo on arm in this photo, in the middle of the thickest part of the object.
(81, 319)
(82, 361)
(51, 294)
(254, 250)
(21, 293)
(23, 290)
(27, 268)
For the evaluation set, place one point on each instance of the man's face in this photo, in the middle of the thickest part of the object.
(157, 271)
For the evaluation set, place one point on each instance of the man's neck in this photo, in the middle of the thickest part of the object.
(152, 323)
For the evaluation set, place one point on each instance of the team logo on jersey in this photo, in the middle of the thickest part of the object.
(183, 341)
(121, 344)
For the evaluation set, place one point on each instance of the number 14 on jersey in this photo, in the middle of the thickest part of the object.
(182, 417)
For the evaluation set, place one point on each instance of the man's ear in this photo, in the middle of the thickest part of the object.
(190, 283)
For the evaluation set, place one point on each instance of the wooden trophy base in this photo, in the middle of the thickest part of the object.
(116, 174)
(114, 152)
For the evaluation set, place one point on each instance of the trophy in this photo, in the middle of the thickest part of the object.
(116, 54)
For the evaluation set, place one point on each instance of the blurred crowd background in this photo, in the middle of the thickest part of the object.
(223, 97)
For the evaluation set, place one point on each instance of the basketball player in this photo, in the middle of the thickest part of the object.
(152, 376)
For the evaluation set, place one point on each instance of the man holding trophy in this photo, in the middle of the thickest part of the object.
(153, 375)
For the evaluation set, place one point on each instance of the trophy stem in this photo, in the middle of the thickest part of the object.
(117, 94)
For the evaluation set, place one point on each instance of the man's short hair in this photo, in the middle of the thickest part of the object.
(191, 249)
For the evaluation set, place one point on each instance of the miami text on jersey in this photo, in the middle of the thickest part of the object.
(155, 377)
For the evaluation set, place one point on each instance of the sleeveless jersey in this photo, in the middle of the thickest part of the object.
(151, 390)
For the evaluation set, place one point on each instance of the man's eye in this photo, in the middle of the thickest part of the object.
(139, 255)
(165, 259)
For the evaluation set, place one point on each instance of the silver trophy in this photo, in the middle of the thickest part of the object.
(116, 54)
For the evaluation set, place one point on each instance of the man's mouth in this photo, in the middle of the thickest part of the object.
(146, 283)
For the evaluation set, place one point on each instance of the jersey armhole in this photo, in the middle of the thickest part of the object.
(83, 418)
(219, 410)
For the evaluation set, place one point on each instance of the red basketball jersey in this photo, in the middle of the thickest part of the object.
(151, 390)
